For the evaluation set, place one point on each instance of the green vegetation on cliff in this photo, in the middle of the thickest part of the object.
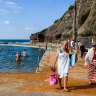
(70, 8)
(63, 27)
(84, 17)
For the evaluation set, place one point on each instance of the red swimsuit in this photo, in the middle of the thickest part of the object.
(18, 59)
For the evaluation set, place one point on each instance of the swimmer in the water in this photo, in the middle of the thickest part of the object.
(18, 56)
(10, 49)
(24, 53)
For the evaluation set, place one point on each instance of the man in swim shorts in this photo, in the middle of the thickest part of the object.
(18, 56)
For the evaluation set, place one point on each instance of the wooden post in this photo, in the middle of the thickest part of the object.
(46, 46)
(74, 23)
(39, 46)
(49, 51)
(38, 64)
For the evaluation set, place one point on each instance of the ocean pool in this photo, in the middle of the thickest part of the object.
(8, 58)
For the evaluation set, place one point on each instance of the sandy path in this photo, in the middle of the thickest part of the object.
(28, 84)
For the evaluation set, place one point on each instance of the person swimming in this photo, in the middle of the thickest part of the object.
(18, 56)
(11, 50)
(24, 53)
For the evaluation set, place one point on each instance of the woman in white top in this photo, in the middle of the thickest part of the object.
(90, 60)
(63, 65)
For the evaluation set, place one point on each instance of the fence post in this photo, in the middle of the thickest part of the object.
(39, 46)
(46, 46)
(38, 64)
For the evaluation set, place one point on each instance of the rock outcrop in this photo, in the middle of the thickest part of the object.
(63, 27)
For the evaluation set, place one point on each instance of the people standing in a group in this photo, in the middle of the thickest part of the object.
(82, 49)
(90, 59)
(63, 65)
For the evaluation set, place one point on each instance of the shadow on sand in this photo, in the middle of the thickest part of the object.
(93, 85)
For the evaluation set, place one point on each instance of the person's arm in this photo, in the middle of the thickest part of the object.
(22, 53)
(86, 59)
(57, 54)
(88, 62)
(76, 52)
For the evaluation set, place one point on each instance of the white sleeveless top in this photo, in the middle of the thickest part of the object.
(63, 64)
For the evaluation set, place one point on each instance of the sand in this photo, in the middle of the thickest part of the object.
(30, 82)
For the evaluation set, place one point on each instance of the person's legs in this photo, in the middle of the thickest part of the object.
(81, 55)
(65, 83)
(71, 49)
(60, 85)
(90, 82)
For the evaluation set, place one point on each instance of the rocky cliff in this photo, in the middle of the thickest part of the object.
(63, 27)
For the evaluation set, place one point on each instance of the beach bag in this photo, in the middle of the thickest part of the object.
(53, 79)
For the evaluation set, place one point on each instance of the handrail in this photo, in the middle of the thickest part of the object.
(2, 47)
(43, 68)
(46, 65)
(38, 64)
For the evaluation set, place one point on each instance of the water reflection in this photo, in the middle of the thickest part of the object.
(27, 64)
(17, 63)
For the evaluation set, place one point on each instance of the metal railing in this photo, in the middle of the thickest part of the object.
(44, 62)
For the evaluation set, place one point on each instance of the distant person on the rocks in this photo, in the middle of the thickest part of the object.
(24, 53)
(63, 65)
(18, 56)
(90, 59)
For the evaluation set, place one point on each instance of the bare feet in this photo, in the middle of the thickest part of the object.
(66, 90)
(90, 82)
(60, 87)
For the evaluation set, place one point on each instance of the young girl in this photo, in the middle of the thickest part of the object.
(63, 65)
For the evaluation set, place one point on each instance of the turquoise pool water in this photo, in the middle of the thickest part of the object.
(8, 59)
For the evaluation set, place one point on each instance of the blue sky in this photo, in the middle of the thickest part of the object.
(20, 18)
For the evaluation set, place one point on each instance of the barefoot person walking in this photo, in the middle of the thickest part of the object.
(90, 59)
(63, 65)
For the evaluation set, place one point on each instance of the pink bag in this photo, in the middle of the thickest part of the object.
(53, 79)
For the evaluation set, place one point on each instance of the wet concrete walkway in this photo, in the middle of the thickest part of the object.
(7, 83)
(5, 89)
(22, 93)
